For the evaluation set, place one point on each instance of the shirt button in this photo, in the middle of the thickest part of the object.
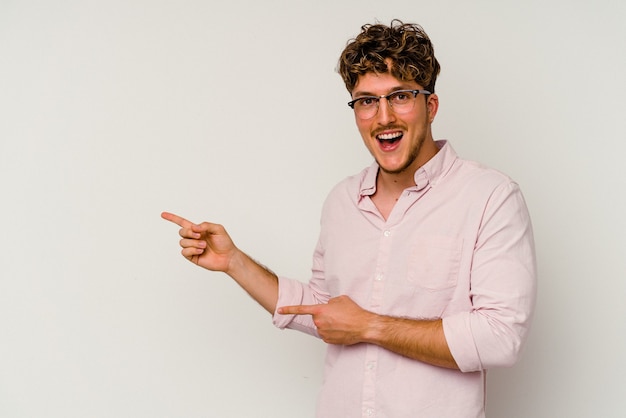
(387, 233)
(371, 365)
(379, 277)
(369, 412)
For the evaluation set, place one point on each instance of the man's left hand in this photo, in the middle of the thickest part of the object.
(340, 321)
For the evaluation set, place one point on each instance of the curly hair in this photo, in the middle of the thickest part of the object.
(406, 45)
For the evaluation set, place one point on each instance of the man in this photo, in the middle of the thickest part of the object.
(424, 273)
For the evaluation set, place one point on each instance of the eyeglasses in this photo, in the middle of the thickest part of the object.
(401, 101)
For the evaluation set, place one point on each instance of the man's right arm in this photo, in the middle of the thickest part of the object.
(209, 245)
(260, 282)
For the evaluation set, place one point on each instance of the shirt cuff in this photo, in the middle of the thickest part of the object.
(289, 293)
(458, 332)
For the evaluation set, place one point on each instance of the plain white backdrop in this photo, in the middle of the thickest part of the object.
(232, 112)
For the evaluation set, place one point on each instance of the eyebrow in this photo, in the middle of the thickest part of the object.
(360, 94)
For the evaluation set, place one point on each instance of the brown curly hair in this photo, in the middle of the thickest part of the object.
(407, 45)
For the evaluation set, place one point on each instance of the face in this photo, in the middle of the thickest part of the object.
(400, 143)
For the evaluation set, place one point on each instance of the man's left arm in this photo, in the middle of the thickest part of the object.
(503, 287)
(342, 321)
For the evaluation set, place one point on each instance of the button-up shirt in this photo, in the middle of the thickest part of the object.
(458, 246)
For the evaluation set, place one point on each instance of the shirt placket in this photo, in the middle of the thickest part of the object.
(375, 304)
(376, 300)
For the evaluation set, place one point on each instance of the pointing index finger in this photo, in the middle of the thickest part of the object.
(182, 222)
(298, 310)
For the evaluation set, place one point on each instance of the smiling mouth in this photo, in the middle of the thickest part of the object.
(389, 138)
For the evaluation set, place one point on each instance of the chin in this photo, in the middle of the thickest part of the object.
(393, 168)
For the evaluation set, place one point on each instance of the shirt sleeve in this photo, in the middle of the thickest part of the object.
(293, 292)
(503, 287)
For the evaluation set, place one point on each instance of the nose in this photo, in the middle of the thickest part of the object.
(385, 113)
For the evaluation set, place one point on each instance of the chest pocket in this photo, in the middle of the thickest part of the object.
(434, 262)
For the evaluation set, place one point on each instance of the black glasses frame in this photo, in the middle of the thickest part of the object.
(387, 96)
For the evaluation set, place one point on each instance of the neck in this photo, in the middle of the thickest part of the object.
(394, 183)
(389, 188)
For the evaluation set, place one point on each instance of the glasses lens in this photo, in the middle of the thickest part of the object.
(402, 101)
(366, 107)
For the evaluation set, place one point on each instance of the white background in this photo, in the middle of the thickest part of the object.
(231, 111)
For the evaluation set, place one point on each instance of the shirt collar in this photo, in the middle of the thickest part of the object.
(428, 174)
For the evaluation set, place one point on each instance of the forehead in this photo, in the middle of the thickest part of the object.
(378, 84)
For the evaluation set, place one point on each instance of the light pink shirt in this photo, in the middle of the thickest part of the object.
(457, 246)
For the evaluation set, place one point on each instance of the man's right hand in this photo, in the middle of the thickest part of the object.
(207, 245)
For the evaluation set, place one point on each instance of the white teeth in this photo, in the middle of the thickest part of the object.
(390, 136)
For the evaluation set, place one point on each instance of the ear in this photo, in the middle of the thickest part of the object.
(432, 104)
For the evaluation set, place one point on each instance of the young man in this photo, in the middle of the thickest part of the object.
(424, 273)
